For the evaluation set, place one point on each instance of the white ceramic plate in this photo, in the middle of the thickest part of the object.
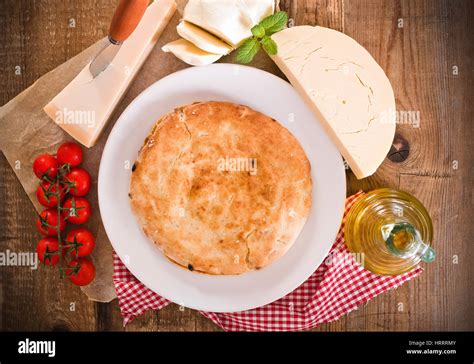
(261, 91)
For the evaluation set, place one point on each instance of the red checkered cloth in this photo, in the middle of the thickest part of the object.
(337, 287)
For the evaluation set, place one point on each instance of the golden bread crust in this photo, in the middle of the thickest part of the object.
(221, 188)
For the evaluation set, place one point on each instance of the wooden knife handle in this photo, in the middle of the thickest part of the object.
(126, 18)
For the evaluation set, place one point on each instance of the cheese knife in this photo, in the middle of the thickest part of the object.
(126, 18)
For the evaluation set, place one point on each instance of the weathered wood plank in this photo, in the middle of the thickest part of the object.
(416, 43)
(326, 13)
(419, 58)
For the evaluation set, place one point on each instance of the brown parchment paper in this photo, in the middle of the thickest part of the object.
(26, 131)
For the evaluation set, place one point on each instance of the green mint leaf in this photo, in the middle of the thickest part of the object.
(269, 45)
(274, 23)
(247, 50)
(258, 31)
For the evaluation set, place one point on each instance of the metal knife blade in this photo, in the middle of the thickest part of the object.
(104, 58)
(126, 18)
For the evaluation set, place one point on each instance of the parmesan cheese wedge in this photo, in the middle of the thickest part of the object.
(202, 39)
(345, 88)
(230, 20)
(189, 53)
(85, 105)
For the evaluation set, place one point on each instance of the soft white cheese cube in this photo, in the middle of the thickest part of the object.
(189, 53)
(230, 20)
(202, 39)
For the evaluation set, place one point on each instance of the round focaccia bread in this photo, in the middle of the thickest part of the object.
(221, 188)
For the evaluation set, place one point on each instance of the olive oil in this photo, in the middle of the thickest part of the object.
(392, 229)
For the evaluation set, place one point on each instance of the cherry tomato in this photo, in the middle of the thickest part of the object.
(78, 210)
(70, 153)
(45, 164)
(47, 250)
(81, 271)
(46, 194)
(47, 222)
(84, 238)
(80, 181)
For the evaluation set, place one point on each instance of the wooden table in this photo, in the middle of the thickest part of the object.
(426, 50)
